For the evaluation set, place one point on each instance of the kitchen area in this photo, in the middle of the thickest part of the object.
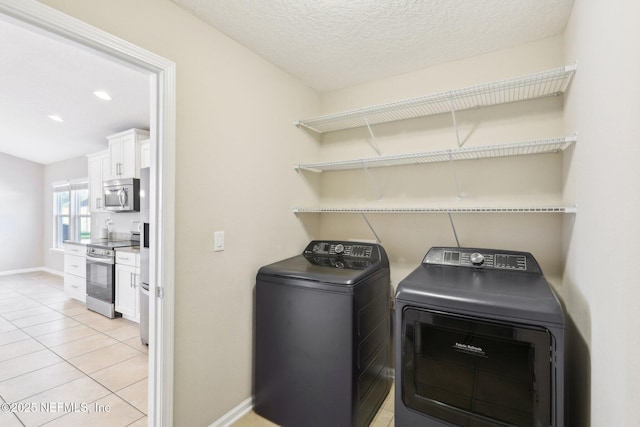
(110, 271)
(82, 337)
(73, 326)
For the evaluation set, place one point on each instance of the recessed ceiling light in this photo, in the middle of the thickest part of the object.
(56, 118)
(102, 95)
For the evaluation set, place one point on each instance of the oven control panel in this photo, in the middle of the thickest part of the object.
(482, 258)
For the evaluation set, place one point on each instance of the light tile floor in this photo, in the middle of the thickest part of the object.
(62, 365)
(384, 417)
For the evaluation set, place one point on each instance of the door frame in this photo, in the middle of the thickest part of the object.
(163, 131)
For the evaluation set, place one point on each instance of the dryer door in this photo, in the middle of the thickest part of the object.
(475, 372)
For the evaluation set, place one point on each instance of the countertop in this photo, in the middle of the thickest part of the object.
(132, 249)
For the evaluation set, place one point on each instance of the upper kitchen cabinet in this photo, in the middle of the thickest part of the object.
(124, 153)
(145, 154)
(99, 165)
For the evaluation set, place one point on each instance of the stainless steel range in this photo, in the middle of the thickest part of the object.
(101, 275)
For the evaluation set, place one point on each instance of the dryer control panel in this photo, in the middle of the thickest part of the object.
(482, 258)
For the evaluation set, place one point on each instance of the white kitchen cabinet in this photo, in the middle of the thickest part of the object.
(128, 285)
(145, 154)
(75, 271)
(98, 173)
(124, 153)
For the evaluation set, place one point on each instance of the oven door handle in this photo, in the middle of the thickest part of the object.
(105, 259)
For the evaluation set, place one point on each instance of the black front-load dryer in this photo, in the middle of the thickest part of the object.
(479, 342)
(323, 338)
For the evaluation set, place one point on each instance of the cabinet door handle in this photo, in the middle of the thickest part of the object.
(99, 202)
(74, 286)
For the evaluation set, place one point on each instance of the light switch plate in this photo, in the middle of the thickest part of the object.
(218, 241)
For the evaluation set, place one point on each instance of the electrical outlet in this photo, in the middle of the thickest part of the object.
(218, 241)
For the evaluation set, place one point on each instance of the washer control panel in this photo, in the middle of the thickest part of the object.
(341, 249)
(482, 258)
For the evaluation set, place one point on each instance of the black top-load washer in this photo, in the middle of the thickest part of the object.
(479, 342)
(323, 336)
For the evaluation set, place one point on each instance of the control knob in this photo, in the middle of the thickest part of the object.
(476, 258)
(339, 249)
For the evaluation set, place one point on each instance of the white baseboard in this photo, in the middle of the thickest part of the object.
(32, 270)
(235, 414)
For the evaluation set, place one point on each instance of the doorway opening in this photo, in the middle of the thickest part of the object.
(162, 182)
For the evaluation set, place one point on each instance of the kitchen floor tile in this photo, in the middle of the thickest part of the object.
(125, 332)
(47, 328)
(137, 344)
(8, 419)
(71, 310)
(19, 348)
(75, 396)
(38, 319)
(12, 336)
(142, 422)
(21, 304)
(30, 362)
(136, 395)
(123, 374)
(68, 304)
(38, 381)
(107, 412)
(43, 335)
(90, 316)
(104, 324)
(104, 357)
(66, 335)
(83, 345)
(19, 314)
(6, 326)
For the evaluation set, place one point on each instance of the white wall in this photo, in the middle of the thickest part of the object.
(65, 170)
(601, 277)
(236, 146)
(21, 205)
(515, 181)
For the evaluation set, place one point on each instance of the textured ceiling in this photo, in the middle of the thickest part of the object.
(331, 44)
(41, 75)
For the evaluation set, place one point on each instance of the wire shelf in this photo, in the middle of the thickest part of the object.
(550, 145)
(442, 210)
(531, 86)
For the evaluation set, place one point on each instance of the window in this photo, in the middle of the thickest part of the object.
(71, 217)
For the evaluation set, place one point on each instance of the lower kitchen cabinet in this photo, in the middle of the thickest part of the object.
(75, 287)
(75, 271)
(127, 291)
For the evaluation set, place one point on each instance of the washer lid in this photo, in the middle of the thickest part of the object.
(321, 263)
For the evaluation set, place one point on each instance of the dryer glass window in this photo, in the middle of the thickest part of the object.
(475, 373)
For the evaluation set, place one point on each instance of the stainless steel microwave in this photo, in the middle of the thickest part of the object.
(122, 195)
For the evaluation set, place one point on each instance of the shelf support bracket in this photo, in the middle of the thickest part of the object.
(373, 182)
(453, 227)
(374, 143)
(455, 177)
(370, 227)
(455, 122)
